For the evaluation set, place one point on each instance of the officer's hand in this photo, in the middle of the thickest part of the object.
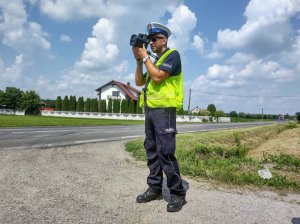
(139, 53)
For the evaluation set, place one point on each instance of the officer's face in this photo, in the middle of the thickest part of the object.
(157, 42)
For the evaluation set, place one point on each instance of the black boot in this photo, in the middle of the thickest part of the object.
(176, 202)
(148, 196)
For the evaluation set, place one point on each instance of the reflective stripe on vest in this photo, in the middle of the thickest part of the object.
(168, 93)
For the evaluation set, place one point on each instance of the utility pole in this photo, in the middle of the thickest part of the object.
(262, 114)
(189, 101)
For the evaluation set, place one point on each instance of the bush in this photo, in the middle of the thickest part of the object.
(204, 120)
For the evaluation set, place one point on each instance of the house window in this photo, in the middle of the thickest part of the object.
(115, 93)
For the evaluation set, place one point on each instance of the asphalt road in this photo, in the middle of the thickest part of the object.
(45, 137)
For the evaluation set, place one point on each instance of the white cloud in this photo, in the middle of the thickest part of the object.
(245, 72)
(271, 10)
(99, 49)
(65, 38)
(12, 73)
(18, 33)
(67, 10)
(240, 58)
(26, 38)
(182, 22)
(198, 44)
(214, 55)
(261, 58)
(260, 32)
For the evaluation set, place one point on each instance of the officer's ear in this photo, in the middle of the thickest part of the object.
(164, 40)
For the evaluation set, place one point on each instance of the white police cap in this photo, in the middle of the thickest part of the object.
(155, 27)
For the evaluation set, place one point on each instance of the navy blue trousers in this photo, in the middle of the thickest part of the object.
(160, 129)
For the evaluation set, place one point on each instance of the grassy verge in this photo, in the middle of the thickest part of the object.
(25, 121)
(241, 119)
(223, 157)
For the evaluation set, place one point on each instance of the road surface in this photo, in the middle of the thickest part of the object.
(99, 182)
(44, 137)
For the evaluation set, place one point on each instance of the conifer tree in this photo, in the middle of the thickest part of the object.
(102, 106)
(131, 107)
(94, 105)
(65, 104)
(87, 105)
(58, 104)
(116, 106)
(80, 104)
(109, 107)
(124, 106)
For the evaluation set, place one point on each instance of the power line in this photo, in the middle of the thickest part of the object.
(246, 96)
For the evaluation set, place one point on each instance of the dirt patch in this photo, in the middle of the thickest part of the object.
(287, 142)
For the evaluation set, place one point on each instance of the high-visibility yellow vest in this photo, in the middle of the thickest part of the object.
(168, 93)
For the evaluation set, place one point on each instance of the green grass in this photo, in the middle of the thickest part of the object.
(222, 156)
(25, 121)
(242, 119)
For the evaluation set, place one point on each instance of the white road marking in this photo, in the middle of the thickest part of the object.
(133, 136)
(90, 141)
(26, 132)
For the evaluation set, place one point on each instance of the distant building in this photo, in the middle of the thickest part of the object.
(200, 112)
(195, 110)
(118, 90)
(47, 105)
(281, 117)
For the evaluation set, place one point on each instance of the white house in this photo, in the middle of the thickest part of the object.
(118, 90)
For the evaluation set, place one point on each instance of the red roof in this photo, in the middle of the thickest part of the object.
(126, 88)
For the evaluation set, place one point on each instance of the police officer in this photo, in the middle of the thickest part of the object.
(162, 95)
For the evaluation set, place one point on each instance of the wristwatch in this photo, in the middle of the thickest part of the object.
(145, 58)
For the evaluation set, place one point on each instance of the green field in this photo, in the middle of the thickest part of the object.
(25, 121)
(223, 157)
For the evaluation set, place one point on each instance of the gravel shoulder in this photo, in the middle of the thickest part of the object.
(98, 183)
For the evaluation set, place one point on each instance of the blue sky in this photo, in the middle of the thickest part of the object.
(240, 55)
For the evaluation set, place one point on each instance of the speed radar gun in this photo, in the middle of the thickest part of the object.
(138, 40)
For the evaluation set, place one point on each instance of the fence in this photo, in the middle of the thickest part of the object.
(119, 116)
(13, 112)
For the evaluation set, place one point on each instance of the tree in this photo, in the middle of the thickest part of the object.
(180, 111)
(80, 104)
(287, 116)
(1, 98)
(116, 106)
(72, 103)
(139, 110)
(87, 105)
(109, 107)
(203, 112)
(11, 98)
(102, 107)
(94, 105)
(219, 113)
(124, 106)
(212, 109)
(298, 116)
(131, 107)
(30, 102)
(65, 104)
(233, 114)
(58, 104)
(242, 114)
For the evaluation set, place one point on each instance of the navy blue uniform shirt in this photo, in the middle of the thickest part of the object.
(172, 63)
